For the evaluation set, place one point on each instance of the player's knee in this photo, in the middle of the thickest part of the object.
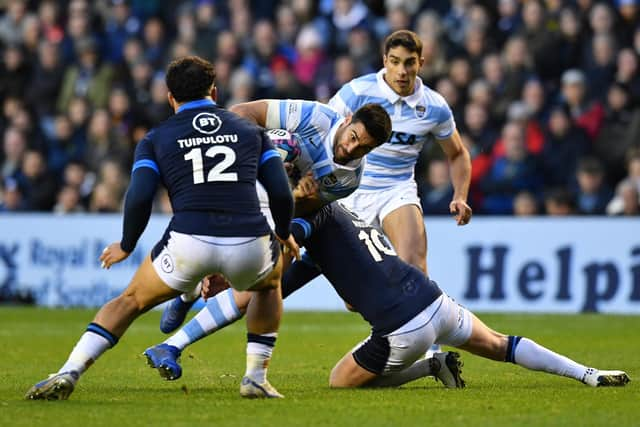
(129, 302)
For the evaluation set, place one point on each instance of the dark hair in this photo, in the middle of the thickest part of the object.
(560, 196)
(190, 78)
(375, 120)
(405, 38)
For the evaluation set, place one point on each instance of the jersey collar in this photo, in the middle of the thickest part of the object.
(411, 100)
(196, 104)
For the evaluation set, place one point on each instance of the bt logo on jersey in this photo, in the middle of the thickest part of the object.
(207, 123)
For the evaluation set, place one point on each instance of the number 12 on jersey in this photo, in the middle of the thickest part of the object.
(376, 244)
(217, 172)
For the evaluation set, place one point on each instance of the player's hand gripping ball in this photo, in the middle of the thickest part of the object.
(286, 143)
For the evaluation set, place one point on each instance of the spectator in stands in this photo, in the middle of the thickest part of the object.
(14, 72)
(511, 173)
(571, 41)
(540, 41)
(42, 91)
(103, 200)
(76, 175)
(564, 144)
(559, 202)
(103, 142)
(12, 199)
(626, 201)
(592, 195)
(628, 72)
(477, 126)
(14, 145)
(90, 78)
(12, 23)
(153, 37)
(585, 114)
(347, 15)
(620, 132)
(436, 195)
(68, 201)
(525, 204)
(61, 146)
(38, 185)
(601, 67)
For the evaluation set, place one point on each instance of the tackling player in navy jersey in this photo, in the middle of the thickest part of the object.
(209, 160)
(408, 313)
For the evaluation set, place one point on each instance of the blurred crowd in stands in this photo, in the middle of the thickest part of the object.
(545, 93)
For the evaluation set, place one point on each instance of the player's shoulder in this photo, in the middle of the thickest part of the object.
(432, 97)
(363, 85)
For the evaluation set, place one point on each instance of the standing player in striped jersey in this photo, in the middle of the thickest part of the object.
(209, 160)
(387, 194)
(332, 151)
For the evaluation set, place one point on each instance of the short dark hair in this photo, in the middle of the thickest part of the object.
(190, 78)
(375, 120)
(405, 38)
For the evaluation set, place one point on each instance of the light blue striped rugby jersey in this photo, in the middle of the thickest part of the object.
(416, 119)
(315, 125)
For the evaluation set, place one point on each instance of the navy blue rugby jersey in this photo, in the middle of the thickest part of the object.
(208, 160)
(364, 269)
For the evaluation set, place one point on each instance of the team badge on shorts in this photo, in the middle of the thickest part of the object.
(207, 123)
(166, 263)
(420, 111)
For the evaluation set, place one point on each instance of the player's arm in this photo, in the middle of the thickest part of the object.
(254, 111)
(273, 178)
(460, 166)
(138, 202)
(299, 274)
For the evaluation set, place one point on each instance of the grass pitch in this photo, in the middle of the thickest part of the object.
(120, 390)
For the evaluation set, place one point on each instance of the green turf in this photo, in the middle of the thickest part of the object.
(121, 390)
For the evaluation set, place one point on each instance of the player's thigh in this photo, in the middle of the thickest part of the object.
(454, 323)
(404, 226)
(147, 288)
(384, 355)
(254, 265)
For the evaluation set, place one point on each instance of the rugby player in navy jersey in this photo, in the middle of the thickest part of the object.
(408, 312)
(331, 147)
(209, 160)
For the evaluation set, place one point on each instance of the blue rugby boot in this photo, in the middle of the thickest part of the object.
(164, 358)
(174, 314)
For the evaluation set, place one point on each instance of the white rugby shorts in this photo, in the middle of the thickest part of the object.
(182, 260)
(374, 206)
(443, 322)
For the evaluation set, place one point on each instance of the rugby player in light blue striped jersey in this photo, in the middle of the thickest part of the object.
(387, 194)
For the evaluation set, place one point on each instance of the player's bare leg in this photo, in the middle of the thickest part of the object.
(145, 290)
(445, 366)
(522, 351)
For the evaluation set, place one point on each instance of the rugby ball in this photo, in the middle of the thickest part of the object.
(287, 144)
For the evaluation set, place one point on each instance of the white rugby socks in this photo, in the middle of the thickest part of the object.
(528, 354)
(95, 341)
